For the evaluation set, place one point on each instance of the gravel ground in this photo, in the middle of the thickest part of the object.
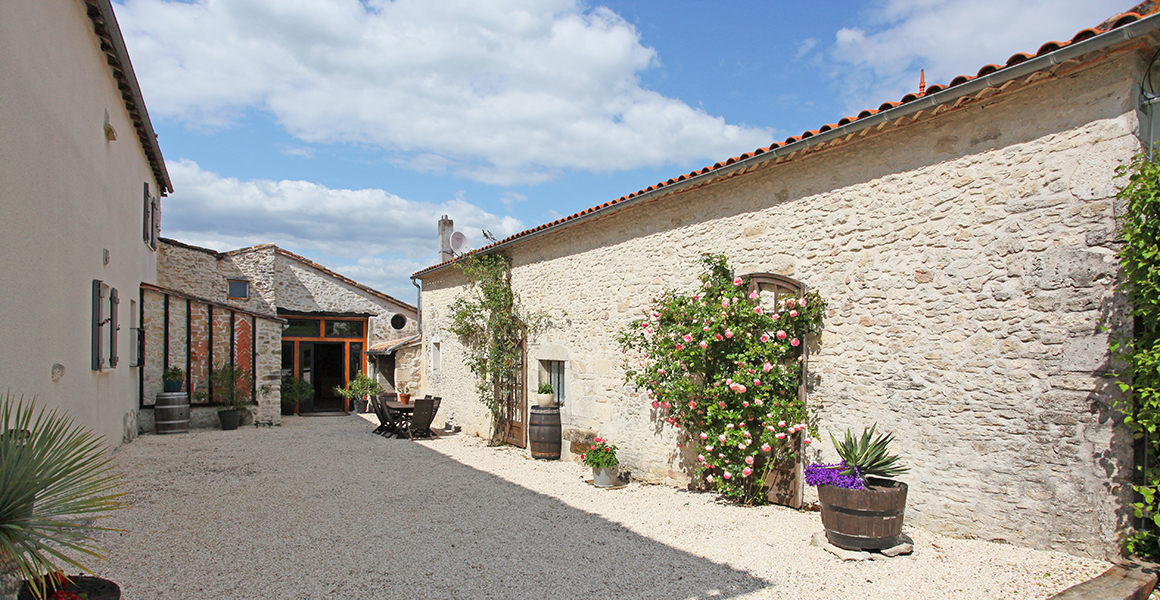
(321, 508)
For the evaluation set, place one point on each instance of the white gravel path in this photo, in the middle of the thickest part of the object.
(321, 508)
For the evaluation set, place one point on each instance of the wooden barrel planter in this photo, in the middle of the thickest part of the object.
(171, 413)
(869, 519)
(544, 432)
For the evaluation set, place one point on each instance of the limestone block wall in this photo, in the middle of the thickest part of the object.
(205, 274)
(301, 287)
(968, 264)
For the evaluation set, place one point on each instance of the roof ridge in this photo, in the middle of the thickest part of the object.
(342, 277)
(1146, 8)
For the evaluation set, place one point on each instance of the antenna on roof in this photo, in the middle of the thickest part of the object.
(458, 243)
(921, 81)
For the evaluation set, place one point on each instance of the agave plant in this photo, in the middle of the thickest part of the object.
(55, 478)
(866, 456)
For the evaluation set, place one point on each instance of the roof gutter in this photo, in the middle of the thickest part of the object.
(144, 126)
(1100, 42)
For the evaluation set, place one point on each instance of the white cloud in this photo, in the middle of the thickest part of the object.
(499, 91)
(805, 47)
(371, 225)
(880, 62)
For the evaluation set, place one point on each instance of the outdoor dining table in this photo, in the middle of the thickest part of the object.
(404, 411)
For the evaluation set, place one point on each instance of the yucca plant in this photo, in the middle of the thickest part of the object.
(867, 456)
(55, 479)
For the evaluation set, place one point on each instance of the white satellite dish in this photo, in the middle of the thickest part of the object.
(458, 242)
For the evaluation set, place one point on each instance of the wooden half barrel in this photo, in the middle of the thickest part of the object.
(869, 519)
(544, 432)
(171, 413)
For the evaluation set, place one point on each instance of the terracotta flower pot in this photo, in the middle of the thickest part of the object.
(404, 398)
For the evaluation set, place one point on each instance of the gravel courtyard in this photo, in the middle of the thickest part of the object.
(322, 508)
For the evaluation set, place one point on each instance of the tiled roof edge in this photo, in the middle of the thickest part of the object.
(1125, 27)
(100, 12)
(345, 279)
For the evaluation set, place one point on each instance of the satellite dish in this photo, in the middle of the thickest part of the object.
(458, 242)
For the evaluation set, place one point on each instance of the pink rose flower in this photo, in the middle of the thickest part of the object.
(737, 281)
(758, 402)
(721, 438)
(692, 404)
(766, 447)
(667, 405)
(806, 441)
(746, 472)
(709, 448)
(757, 310)
(781, 334)
(718, 336)
(748, 460)
(709, 478)
(704, 435)
(790, 302)
(727, 475)
(776, 317)
(680, 346)
(721, 404)
(781, 423)
(793, 313)
(794, 342)
(687, 338)
(753, 295)
(745, 404)
(656, 404)
(765, 338)
(767, 367)
(747, 434)
(729, 426)
(756, 382)
(780, 435)
(729, 333)
(701, 457)
(704, 344)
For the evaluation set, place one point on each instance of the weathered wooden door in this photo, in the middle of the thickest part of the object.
(784, 482)
(514, 404)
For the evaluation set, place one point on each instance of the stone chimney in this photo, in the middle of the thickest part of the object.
(446, 226)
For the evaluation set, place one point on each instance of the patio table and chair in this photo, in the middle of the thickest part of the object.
(411, 420)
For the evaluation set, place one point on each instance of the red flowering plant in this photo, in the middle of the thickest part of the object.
(601, 455)
(724, 368)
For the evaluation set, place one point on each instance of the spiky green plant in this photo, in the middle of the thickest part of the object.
(55, 479)
(867, 456)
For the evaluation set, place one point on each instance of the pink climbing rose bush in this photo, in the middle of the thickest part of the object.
(724, 368)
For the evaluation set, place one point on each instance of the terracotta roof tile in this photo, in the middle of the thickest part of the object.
(1148, 7)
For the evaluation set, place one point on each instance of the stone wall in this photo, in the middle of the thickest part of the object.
(301, 287)
(968, 264)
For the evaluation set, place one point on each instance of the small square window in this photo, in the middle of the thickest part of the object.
(239, 289)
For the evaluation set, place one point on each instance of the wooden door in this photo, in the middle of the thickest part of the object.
(514, 404)
(785, 482)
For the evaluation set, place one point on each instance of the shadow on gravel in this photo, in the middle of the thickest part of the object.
(351, 515)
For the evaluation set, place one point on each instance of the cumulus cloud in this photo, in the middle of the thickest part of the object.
(880, 61)
(381, 230)
(498, 91)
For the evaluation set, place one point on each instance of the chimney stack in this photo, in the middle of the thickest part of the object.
(446, 226)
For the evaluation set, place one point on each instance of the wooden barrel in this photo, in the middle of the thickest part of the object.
(869, 519)
(171, 413)
(544, 432)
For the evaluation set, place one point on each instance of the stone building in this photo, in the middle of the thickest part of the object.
(81, 181)
(271, 313)
(964, 240)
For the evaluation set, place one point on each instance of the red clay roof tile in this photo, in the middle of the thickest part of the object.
(1047, 48)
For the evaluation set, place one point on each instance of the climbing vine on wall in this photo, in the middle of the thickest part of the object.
(725, 369)
(492, 325)
(1140, 353)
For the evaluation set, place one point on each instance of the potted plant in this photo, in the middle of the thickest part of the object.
(405, 393)
(172, 379)
(295, 391)
(862, 507)
(56, 478)
(602, 458)
(544, 395)
(358, 389)
(231, 388)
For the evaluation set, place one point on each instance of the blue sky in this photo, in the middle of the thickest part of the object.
(342, 130)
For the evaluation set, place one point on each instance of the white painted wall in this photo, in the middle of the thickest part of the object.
(66, 195)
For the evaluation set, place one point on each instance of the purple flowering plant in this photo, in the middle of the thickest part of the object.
(820, 474)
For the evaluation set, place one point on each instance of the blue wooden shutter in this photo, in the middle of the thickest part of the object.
(98, 297)
(114, 326)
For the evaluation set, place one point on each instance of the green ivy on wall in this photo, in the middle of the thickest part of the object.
(492, 326)
(1140, 351)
